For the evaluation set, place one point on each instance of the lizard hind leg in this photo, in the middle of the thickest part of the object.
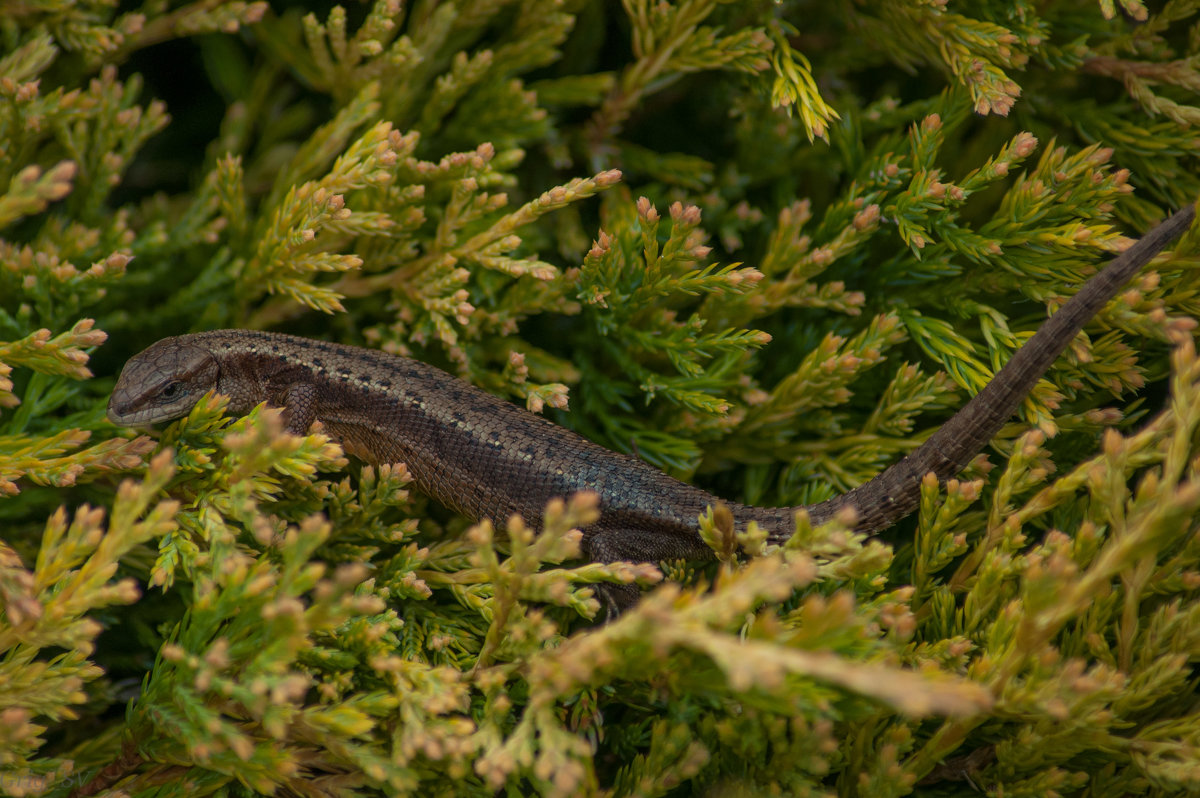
(634, 545)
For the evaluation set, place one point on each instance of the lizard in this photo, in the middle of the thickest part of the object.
(485, 457)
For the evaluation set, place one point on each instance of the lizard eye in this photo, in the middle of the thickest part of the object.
(171, 390)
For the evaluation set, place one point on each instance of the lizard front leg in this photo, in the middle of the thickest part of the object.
(299, 403)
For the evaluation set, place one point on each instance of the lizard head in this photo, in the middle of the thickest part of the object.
(162, 382)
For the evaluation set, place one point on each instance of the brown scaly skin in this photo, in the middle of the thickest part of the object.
(487, 458)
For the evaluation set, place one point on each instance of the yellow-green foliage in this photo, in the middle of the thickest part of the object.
(767, 246)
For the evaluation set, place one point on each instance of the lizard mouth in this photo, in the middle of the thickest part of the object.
(129, 414)
(126, 416)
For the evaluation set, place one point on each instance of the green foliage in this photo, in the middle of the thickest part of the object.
(50, 629)
(867, 208)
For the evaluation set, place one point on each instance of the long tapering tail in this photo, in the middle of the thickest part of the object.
(896, 492)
